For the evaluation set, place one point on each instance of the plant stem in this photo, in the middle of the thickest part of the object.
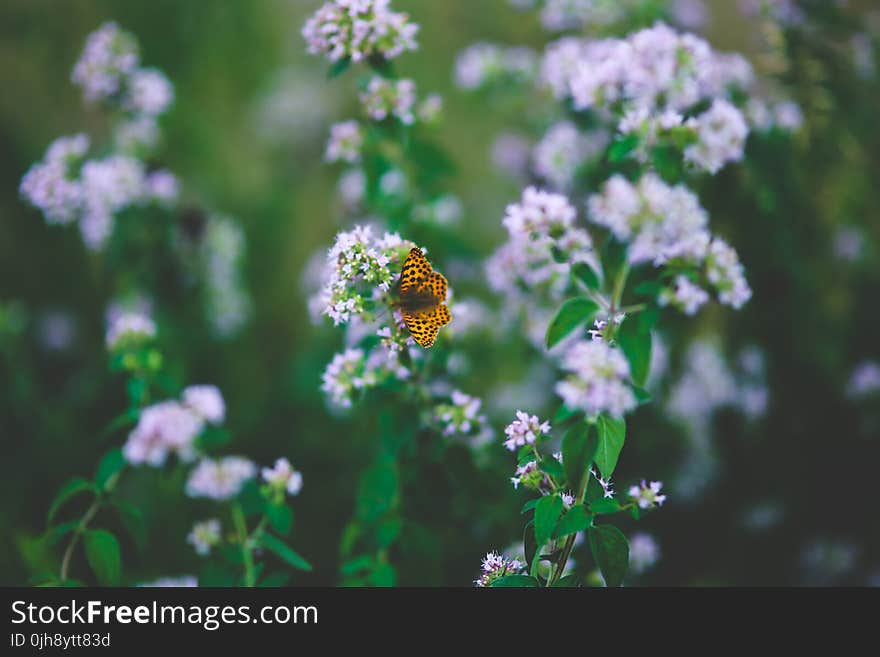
(250, 576)
(569, 541)
(88, 516)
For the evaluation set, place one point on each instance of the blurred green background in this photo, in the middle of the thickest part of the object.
(227, 60)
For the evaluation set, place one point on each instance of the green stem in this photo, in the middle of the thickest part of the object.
(88, 516)
(569, 541)
(250, 576)
(84, 522)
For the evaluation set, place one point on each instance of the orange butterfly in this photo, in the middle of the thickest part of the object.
(422, 297)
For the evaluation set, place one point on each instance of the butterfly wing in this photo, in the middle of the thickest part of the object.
(424, 325)
(416, 270)
(422, 293)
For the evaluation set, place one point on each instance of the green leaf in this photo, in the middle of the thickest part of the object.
(520, 581)
(576, 519)
(594, 491)
(611, 552)
(612, 432)
(564, 414)
(252, 500)
(573, 313)
(528, 506)
(58, 532)
(553, 468)
(568, 581)
(112, 462)
(605, 505)
(71, 489)
(621, 148)
(530, 547)
(383, 574)
(338, 67)
(276, 578)
(578, 448)
(635, 341)
(377, 493)
(586, 275)
(642, 395)
(280, 517)
(103, 555)
(546, 516)
(280, 548)
(356, 565)
(525, 455)
(133, 520)
(387, 532)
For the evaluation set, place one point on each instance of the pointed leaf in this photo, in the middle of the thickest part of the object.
(573, 313)
(103, 555)
(284, 551)
(71, 489)
(521, 581)
(547, 514)
(576, 519)
(578, 448)
(611, 552)
(612, 432)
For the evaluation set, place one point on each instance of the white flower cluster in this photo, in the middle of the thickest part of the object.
(598, 381)
(461, 416)
(354, 371)
(647, 495)
(663, 223)
(484, 64)
(655, 68)
(282, 476)
(383, 98)
(496, 566)
(543, 244)
(360, 269)
(222, 253)
(345, 143)
(359, 29)
(66, 188)
(524, 430)
(563, 150)
(171, 427)
(764, 115)
(109, 72)
(204, 536)
(220, 479)
(686, 296)
(721, 137)
(660, 222)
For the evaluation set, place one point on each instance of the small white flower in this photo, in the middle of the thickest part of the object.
(647, 495)
(204, 536)
(282, 475)
(524, 430)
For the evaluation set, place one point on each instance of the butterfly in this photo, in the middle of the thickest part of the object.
(422, 296)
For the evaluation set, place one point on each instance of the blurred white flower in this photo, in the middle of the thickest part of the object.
(204, 536)
(220, 479)
(598, 379)
(162, 429)
(282, 475)
(206, 401)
